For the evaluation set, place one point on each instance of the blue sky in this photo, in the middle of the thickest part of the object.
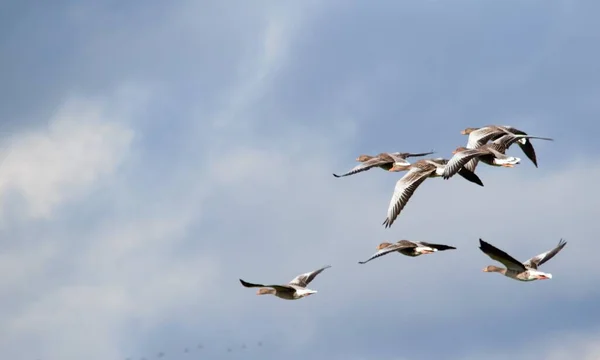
(157, 152)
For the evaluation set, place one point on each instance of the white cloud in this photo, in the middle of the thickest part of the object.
(125, 267)
(80, 147)
(72, 290)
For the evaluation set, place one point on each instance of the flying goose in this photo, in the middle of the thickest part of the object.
(294, 290)
(527, 271)
(408, 248)
(417, 173)
(480, 136)
(493, 154)
(384, 161)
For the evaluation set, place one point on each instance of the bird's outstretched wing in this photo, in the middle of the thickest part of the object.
(304, 279)
(501, 256)
(404, 190)
(538, 260)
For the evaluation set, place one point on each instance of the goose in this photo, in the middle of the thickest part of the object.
(417, 173)
(526, 271)
(408, 248)
(294, 290)
(492, 154)
(480, 136)
(384, 161)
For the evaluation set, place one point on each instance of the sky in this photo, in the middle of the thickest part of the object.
(153, 153)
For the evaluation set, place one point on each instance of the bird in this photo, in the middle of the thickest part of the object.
(294, 290)
(383, 160)
(480, 136)
(417, 173)
(408, 248)
(526, 271)
(493, 154)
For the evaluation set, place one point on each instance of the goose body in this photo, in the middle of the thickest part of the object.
(480, 136)
(493, 154)
(294, 290)
(526, 271)
(384, 161)
(417, 173)
(407, 248)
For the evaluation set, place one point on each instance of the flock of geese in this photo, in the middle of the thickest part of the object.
(187, 350)
(486, 144)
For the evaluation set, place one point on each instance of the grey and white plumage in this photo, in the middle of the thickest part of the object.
(408, 248)
(294, 290)
(417, 173)
(493, 154)
(525, 271)
(384, 161)
(480, 136)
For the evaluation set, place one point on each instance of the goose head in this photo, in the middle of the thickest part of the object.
(383, 245)
(363, 158)
(469, 130)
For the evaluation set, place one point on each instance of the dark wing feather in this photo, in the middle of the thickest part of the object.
(538, 260)
(251, 285)
(440, 247)
(279, 288)
(500, 256)
(529, 151)
(527, 148)
(283, 288)
(470, 176)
